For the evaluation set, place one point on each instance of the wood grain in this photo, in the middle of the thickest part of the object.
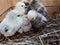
(45, 2)
(50, 2)
(14, 2)
(4, 5)
(52, 10)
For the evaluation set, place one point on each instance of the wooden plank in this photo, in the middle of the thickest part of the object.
(50, 2)
(52, 10)
(45, 2)
(4, 5)
(14, 2)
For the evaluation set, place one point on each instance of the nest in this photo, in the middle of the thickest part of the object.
(49, 35)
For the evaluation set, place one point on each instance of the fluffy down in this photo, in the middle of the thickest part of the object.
(39, 7)
(11, 23)
(21, 7)
(36, 19)
(26, 25)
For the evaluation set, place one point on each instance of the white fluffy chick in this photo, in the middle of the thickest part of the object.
(21, 7)
(26, 25)
(11, 23)
(36, 19)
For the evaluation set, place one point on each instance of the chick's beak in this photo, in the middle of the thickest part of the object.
(25, 6)
(29, 18)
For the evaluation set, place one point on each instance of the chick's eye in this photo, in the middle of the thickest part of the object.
(18, 15)
(6, 29)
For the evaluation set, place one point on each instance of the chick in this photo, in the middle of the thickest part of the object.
(11, 23)
(26, 25)
(38, 6)
(28, 7)
(21, 7)
(37, 20)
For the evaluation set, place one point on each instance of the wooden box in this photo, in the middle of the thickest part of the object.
(51, 5)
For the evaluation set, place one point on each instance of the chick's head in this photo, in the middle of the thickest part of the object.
(32, 14)
(20, 5)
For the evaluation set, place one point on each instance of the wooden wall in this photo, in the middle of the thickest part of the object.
(50, 2)
(4, 5)
(14, 2)
(52, 6)
(45, 2)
